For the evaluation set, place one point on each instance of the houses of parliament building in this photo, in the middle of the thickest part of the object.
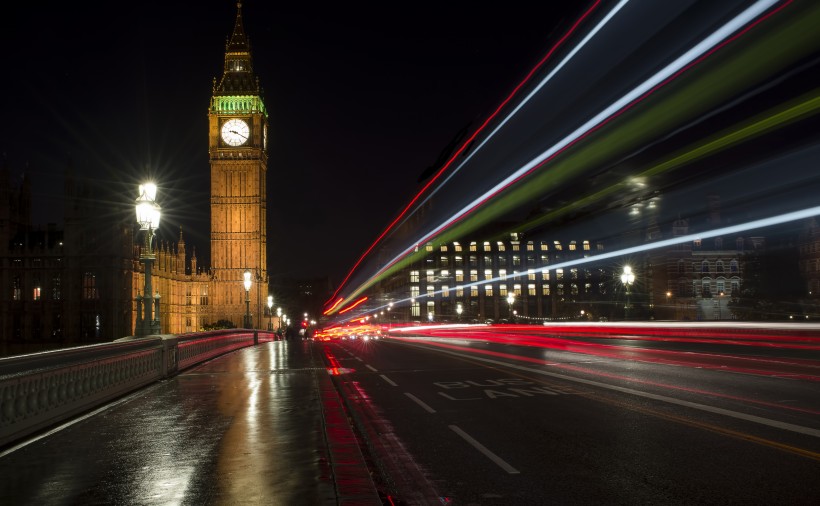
(80, 283)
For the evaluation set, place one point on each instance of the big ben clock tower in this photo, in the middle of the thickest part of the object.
(237, 147)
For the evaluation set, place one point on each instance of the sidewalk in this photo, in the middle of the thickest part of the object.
(262, 425)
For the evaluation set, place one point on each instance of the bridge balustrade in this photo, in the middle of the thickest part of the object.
(40, 390)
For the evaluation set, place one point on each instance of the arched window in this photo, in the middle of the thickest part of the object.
(704, 267)
(733, 267)
(719, 266)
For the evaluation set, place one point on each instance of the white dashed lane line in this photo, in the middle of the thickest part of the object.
(385, 378)
(420, 402)
(483, 449)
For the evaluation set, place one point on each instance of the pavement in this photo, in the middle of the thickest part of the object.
(260, 425)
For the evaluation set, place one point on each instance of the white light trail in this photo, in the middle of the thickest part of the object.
(647, 86)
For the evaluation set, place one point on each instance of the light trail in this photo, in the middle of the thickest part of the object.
(732, 229)
(467, 143)
(729, 32)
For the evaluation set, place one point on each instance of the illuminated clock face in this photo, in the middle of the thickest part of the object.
(235, 132)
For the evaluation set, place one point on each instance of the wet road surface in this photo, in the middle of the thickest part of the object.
(261, 425)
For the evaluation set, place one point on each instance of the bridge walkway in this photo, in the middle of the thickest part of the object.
(260, 425)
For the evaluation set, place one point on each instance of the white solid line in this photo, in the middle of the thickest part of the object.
(385, 378)
(663, 398)
(420, 402)
(483, 449)
(371, 368)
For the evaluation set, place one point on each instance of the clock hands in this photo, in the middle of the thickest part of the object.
(239, 134)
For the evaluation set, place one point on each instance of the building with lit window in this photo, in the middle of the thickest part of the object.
(478, 276)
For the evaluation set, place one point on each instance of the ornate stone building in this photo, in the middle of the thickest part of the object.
(80, 283)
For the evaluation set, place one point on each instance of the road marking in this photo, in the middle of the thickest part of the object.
(420, 402)
(385, 378)
(371, 368)
(483, 449)
(663, 398)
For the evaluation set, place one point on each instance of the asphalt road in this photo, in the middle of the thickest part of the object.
(457, 421)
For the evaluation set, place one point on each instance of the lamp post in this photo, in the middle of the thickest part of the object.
(511, 301)
(148, 215)
(279, 317)
(627, 278)
(720, 302)
(270, 312)
(459, 310)
(247, 283)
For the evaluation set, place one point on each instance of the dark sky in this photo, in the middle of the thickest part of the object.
(362, 99)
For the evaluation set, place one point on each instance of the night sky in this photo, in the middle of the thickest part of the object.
(361, 99)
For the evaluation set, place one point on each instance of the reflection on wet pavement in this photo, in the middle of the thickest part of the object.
(245, 428)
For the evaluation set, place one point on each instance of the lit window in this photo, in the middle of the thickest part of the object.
(36, 295)
(445, 273)
(488, 274)
(474, 291)
(531, 289)
(516, 260)
(501, 246)
(559, 273)
(545, 246)
(488, 290)
(531, 275)
(530, 246)
(473, 275)
(430, 275)
(414, 291)
(459, 276)
(558, 246)
(456, 247)
(90, 286)
(459, 291)
(444, 248)
(473, 246)
(414, 276)
(445, 291)
(428, 247)
(502, 290)
(572, 245)
(17, 290)
(545, 289)
(517, 290)
(545, 275)
(430, 290)
(415, 309)
(502, 273)
(516, 246)
(586, 245)
(487, 246)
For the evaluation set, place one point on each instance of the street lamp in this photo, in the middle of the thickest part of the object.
(627, 278)
(279, 316)
(511, 301)
(459, 310)
(720, 309)
(247, 283)
(148, 215)
(270, 312)
(430, 316)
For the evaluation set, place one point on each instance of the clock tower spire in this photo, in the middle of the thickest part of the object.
(237, 147)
